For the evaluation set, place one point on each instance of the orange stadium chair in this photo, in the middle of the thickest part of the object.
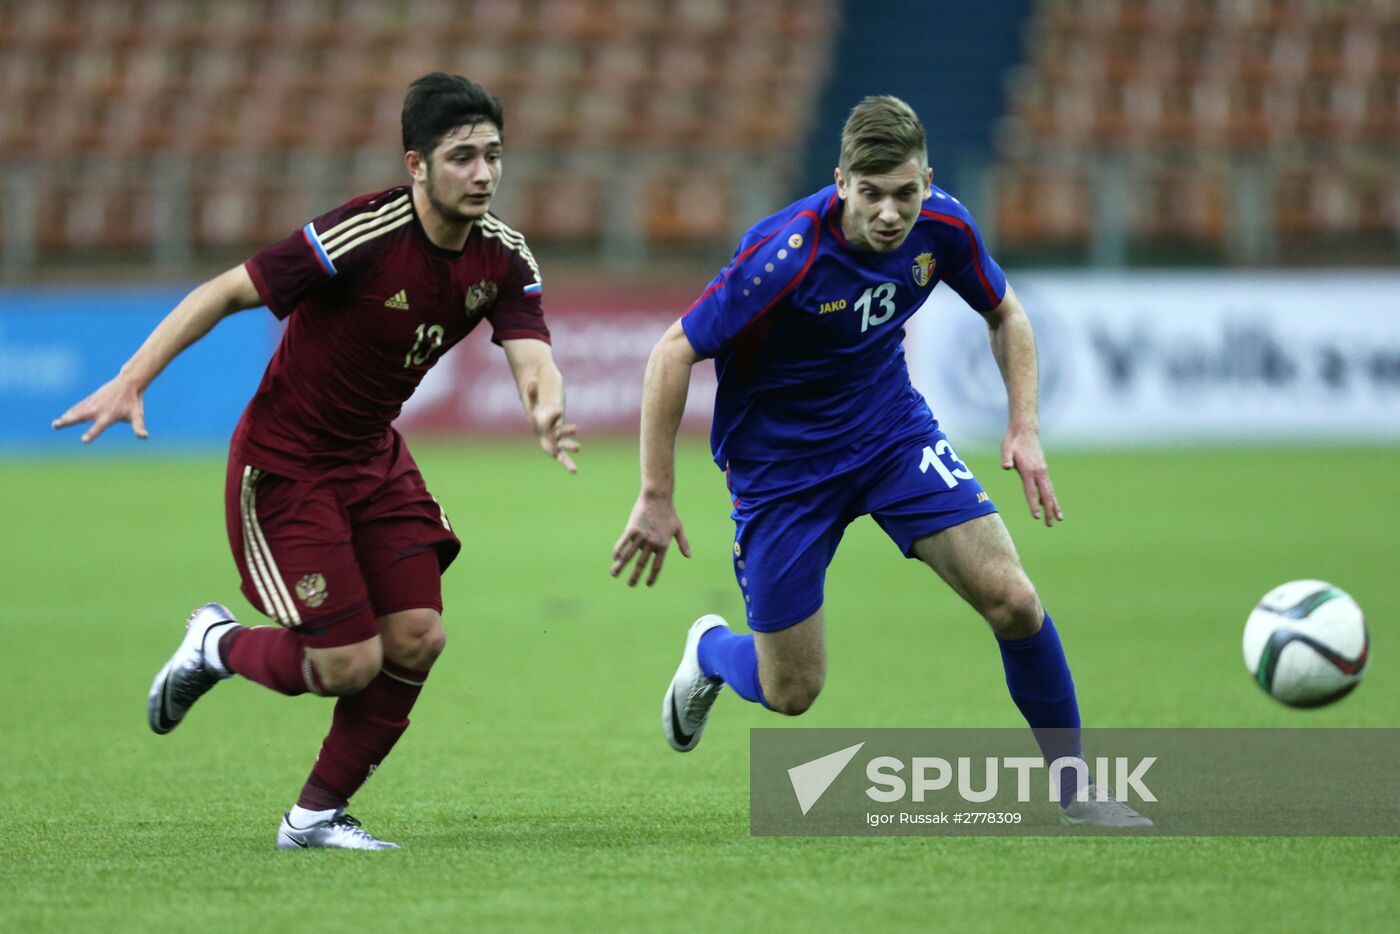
(684, 208)
(133, 80)
(572, 21)
(1378, 202)
(486, 62)
(699, 20)
(599, 119)
(1038, 206)
(561, 206)
(1388, 50)
(667, 119)
(1317, 205)
(223, 216)
(1260, 113)
(1380, 123)
(504, 20)
(1181, 203)
(619, 64)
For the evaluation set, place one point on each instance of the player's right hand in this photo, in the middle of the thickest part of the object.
(115, 401)
(557, 438)
(648, 535)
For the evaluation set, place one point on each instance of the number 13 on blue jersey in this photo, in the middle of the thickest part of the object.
(933, 459)
(882, 293)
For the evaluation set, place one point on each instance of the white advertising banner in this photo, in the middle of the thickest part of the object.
(1171, 358)
(602, 337)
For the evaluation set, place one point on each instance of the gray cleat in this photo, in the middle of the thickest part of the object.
(340, 832)
(192, 670)
(690, 695)
(1107, 813)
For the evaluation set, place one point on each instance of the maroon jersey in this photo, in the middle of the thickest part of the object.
(376, 304)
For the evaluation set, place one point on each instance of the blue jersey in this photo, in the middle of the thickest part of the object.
(807, 331)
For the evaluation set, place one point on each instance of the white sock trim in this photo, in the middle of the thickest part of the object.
(301, 819)
(212, 656)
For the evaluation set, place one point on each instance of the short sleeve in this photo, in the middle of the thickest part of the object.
(327, 247)
(518, 312)
(968, 268)
(764, 271)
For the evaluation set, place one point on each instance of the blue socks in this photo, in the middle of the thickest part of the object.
(1040, 684)
(1036, 674)
(731, 657)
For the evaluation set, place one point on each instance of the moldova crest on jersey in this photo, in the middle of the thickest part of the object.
(923, 268)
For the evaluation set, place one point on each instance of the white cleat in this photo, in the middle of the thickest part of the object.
(690, 695)
(339, 832)
(192, 670)
(1108, 813)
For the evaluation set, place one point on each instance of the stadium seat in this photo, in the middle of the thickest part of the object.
(277, 87)
(1190, 81)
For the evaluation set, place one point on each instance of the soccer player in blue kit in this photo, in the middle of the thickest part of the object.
(816, 423)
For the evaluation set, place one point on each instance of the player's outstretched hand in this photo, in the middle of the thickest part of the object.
(1021, 450)
(557, 438)
(115, 401)
(648, 535)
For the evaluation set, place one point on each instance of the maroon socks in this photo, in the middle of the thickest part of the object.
(363, 730)
(272, 656)
(364, 727)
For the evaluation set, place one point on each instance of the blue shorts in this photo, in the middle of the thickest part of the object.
(786, 535)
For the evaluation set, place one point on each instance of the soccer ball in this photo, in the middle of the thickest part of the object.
(1306, 643)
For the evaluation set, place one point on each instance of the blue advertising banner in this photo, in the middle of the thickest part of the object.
(57, 344)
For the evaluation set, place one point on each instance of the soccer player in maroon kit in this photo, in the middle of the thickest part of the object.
(334, 532)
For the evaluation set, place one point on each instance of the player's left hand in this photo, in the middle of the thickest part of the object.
(557, 437)
(1020, 450)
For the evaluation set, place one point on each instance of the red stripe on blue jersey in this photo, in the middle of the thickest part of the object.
(966, 228)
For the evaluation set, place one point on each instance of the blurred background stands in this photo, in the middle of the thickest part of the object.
(176, 132)
(171, 134)
(1241, 131)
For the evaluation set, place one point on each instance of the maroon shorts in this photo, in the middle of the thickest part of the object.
(327, 555)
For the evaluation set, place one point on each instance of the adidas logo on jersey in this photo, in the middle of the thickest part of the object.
(398, 300)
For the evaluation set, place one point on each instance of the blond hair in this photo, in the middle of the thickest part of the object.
(881, 133)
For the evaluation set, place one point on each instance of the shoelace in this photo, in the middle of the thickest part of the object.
(191, 688)
(352, 827)
(700, 697)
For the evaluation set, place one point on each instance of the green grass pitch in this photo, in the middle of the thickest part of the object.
(535, 791)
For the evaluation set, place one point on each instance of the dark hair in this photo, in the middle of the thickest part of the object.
(881, 133)
(439, 103)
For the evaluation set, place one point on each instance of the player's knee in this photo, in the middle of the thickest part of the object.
(349, 671)
(1016, 612)
(431, 645)
(793, 695)
(414, 638)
